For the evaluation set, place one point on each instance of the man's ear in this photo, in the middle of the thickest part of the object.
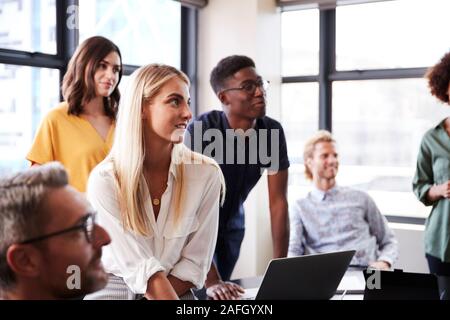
(23, 260)
(223, 98)
(308, 163)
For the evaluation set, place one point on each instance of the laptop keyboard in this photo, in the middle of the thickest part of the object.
(249, 294)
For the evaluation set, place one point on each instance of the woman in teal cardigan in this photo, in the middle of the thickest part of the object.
(432, 179)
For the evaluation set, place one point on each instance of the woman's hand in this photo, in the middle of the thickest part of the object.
(439, 191)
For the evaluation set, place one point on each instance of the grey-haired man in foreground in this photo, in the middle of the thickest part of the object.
(50, 246)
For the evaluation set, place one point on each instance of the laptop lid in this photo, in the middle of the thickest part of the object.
(398, 285)
(310, 277)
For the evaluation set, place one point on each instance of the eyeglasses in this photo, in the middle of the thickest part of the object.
(250, 86)
(87, 225)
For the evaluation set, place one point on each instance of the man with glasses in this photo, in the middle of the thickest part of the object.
(242, 92)
(50, 246)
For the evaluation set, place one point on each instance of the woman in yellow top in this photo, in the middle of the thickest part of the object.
(79, 132)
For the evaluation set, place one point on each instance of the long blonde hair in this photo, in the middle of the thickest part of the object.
(128, 151)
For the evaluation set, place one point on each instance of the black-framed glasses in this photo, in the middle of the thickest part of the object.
(87, 225)
(250, 86)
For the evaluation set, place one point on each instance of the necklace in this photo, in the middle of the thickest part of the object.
(155, 202)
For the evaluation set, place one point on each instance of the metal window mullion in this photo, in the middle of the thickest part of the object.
(189, 40)
(297, 79)
(378, 74)
(30, 59)
(327, 58)
(67, 36)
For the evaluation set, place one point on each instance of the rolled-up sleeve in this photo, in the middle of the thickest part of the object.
(42, 150)
(197, 254)
(379, 227)
(127, 256)
(423, 178)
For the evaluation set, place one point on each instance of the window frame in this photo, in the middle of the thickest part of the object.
(328, 74)
(67, 41)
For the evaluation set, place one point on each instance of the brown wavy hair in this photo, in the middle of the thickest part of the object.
(78, 86)
(439, 79)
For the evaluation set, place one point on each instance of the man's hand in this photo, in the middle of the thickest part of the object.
(224, 291)
(380, 265)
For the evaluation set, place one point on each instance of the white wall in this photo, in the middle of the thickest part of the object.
(250, 27)
(411, 248)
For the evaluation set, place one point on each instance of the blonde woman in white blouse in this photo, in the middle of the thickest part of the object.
(158, 200)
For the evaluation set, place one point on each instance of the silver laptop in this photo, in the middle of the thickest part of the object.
(310, 277)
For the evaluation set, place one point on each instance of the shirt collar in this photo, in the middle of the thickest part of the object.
(320, 195)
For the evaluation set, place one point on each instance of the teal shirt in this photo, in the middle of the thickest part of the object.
(433, 167)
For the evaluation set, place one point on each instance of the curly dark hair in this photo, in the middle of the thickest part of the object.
(78, 86)
(226, 68)
(439, 79)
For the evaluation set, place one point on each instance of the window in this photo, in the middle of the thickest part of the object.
(380, 104)
(300, 42)
(32, 64)
(379, 128)
(300, 114)
(24, 102)
(391, 34)
(28, 25)
(146, 31)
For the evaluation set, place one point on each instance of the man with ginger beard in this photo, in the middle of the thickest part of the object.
(50, 246)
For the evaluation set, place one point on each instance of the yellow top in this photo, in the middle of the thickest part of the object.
(71, 140)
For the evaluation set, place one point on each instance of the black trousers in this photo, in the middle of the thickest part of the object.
(227, 251)
(442, 271)
(437, 266)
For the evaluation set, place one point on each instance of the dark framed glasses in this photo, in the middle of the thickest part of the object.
(87, 225)
(250, 86)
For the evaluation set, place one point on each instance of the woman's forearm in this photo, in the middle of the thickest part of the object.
(160, 288)
(180, 286)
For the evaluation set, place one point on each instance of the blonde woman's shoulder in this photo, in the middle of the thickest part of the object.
(101, 175)
(199, 166)
(203, 171)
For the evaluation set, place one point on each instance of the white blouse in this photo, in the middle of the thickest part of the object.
(184, 250)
